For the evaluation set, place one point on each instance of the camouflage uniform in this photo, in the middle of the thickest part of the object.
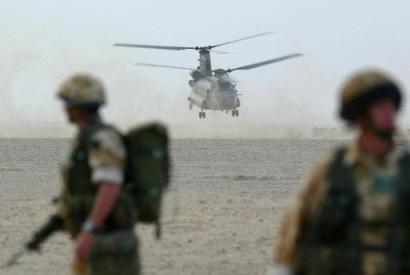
(374, 186)
(351, 216)
(98, 155)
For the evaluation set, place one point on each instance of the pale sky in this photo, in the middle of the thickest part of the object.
(45, 41)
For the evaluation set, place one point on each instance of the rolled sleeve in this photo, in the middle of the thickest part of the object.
(107, 157)
(110, 174)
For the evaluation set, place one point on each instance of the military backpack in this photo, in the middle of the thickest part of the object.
(147, 171)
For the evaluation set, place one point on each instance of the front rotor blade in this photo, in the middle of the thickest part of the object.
(263, 63)
(241, 39)
(175, 48)
(163, 66)
(219, 52)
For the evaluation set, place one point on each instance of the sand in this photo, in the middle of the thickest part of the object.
(221, 213)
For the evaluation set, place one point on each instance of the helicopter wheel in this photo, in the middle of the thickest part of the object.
(235, 113)
(190, 106)
(202, 115)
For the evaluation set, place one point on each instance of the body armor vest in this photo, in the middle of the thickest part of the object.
(80, 192)
(331, 244)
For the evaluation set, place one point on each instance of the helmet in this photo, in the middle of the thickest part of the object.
(82, 90)
(363, 88)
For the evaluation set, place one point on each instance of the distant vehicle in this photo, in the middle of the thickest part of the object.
(211, 89)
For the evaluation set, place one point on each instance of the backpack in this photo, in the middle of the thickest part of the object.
(147, 171)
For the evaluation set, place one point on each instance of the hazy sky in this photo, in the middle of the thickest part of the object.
(43, 42)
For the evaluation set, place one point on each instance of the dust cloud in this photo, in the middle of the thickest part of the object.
(286, 104)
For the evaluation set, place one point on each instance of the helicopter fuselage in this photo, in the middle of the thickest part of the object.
(213, 93)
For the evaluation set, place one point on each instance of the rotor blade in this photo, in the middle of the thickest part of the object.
(219, 52)
(263, 63)
(241, 39)
(163, 66)
(175, 48)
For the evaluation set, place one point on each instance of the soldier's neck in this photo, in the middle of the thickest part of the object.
(87, 120)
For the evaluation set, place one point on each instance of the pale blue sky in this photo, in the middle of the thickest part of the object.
(45, 41)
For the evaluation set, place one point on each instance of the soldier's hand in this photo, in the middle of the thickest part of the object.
(83, 246)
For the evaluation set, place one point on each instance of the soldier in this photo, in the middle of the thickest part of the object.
(352, 215)
(95, 210)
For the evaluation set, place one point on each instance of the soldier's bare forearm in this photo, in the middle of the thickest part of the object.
(105, 200)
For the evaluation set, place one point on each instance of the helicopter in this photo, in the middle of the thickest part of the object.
(211, 89)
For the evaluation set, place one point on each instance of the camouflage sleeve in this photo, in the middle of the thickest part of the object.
(296, 219)
(107, 157)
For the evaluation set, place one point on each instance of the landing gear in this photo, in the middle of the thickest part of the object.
(202, 115)
(190, 105)
(235, 113)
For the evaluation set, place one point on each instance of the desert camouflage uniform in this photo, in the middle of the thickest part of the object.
(375, 189)
(99, 153)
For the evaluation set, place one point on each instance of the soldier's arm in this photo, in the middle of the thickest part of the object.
(106, 197)
(106, 160)
(296, 219)
(104, 202)
(106, 157)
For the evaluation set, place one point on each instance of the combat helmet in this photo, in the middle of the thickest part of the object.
(363, 88)
(82, 90)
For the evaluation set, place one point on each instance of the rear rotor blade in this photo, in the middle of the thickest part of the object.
(175, 48)
(263, 63)
(163, 66)
(241, 39)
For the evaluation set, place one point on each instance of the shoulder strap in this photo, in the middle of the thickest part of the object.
(340, 177)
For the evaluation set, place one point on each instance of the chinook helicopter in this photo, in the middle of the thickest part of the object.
(211, 89)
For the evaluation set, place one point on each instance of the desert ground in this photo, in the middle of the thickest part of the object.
(220, 214)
